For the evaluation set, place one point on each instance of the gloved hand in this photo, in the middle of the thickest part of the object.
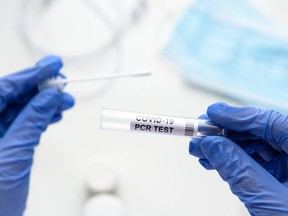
(25, 114)
(252, 159)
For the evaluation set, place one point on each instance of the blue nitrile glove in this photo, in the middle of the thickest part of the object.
(25, 114)
(252, 159)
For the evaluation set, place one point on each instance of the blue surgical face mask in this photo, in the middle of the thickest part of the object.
(231, 48)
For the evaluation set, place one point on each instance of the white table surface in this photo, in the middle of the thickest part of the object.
(157, 176)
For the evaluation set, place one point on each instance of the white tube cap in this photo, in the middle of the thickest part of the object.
(100, 177)
(103, 205)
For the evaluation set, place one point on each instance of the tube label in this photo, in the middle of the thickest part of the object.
(162, 125)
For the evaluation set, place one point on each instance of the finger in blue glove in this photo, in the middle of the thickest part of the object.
(261, 193)
(25, 114)
(256, 167)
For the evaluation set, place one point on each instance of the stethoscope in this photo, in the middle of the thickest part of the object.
(31, 10)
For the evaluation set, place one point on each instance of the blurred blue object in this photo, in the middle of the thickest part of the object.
(231, 48)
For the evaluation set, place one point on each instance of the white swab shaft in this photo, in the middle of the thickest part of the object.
(112, 76)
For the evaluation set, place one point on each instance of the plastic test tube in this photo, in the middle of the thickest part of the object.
(140, 122)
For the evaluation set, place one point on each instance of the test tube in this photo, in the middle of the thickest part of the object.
(159, 124)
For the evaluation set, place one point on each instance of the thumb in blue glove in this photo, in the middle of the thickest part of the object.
(252, 159)
(25, 114)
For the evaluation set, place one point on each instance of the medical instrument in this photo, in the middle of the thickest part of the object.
(82, 32)
(60, 82)
(253, 160)
(33, 12)
(139, 122)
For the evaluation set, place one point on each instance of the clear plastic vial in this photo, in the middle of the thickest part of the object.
(140, 122)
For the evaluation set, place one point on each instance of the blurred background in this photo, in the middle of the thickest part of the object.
(200, 52)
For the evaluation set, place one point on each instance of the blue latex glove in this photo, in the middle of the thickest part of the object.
(252, 159)
(25, 114)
